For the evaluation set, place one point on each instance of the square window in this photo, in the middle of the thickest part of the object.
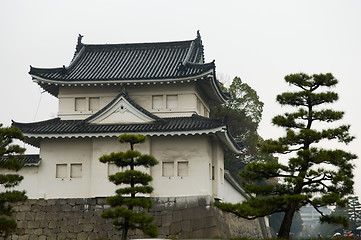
(182, 169)
(172, 101)
(168, 169)
(157, 102)
(61, 171)
(76, 170)
(94, 104)
(79, 104)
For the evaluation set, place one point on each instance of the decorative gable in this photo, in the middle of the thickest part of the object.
(121, 110)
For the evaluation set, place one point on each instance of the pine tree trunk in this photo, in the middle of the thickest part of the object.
(284, 232)
(125, 231)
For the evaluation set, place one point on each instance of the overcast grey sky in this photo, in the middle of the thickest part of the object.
(259, 41)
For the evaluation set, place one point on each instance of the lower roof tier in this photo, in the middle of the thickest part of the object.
(194, 125)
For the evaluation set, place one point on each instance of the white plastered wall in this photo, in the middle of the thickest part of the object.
(187, 94)
(231, 195)
(64, 151)
(198, 151)
(100, 185)
(194, 149)
(29, 183)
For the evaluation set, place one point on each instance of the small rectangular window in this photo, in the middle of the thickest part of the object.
(94, 104)
(168, 169)
(79, 104)
(172, 101)
(61, 171)
(213, 173)
(157, 102)
(76, 170)
(182, 169)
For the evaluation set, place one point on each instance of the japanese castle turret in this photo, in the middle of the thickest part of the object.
(163, 90)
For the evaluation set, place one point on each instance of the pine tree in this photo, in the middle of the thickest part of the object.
(10, 159)
(126, 204)
(312, 175)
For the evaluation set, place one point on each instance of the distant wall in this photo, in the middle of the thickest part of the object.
(181, 217)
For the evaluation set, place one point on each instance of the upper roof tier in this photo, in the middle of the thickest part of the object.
(132, 62)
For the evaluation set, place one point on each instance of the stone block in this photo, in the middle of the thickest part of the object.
(102, 235)
(101, 201)
(36, 208)
(51, 201)
(61, 235)
(184, 235)
(186, 226)
(25, 208)
(29, 216)
(192, 202)
(198, 223)
(202, 201)
(210, 222)
(52, 237)
(22, 224)
(56, 208)
(34, 237)
(82, 236)
(24, 237)
(163, 231)
(33, 224)
(157, 220)
(87, 227)
(71, 236)
(157, 208)
(20, 216)
(39, 231)
(67, 229)
(42, 238)
(166, 220)
(53, 224)
(66, 208)
(29, 231)
(187, 214)
(41, 202)
(43, 223)
(72, 221)
(211, 232)
(175, 228)
(180, 204)
(199, 233)
(177, 216)
(40, 216)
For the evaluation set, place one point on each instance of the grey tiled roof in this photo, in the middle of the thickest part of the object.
(29, 159)
(58, 126)
(161, 60)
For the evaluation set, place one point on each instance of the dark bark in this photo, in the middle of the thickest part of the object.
(284, 232)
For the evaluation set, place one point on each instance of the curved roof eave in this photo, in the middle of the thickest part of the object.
(52, 86)
(220, 132)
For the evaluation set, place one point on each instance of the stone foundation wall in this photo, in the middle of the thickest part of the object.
(181, 217)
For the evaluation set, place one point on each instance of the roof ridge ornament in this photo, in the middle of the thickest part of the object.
(79, 44)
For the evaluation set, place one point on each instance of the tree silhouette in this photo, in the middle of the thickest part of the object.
(126, 203)
(312, 175)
